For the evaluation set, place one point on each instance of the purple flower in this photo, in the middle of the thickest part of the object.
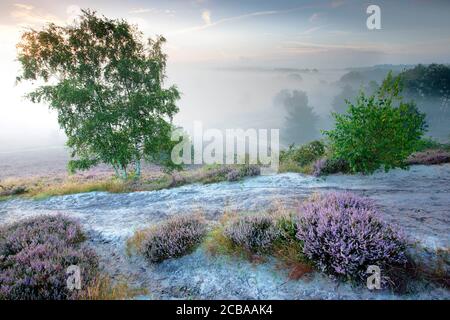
(34, 256)
(343, 234)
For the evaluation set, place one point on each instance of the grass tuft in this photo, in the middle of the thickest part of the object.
(104, 288)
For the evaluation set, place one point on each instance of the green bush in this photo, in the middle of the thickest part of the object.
(299, 158)
(378, 131)
(428, 143)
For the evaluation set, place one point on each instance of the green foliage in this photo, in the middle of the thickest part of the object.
(426, 81)
(300, 159)
(378, 130)
(429, 143)
(106, 85)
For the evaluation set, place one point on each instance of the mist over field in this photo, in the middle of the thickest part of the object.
(222, 98)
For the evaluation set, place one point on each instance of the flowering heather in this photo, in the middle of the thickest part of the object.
(428, 157)
(35, 254)
(236, 174)
(173, 238)
(343, 234)
(327, 166)
(255, 233)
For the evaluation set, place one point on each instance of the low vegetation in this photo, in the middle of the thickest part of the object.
(35, 254)
(343, 234)
(378, 131)
(253, 233)
(300, 159)
(340, 234)
(170, 239)
(326, 166)
(43, 187)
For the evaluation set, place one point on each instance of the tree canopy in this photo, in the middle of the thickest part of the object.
(378, 131)
(107, 85)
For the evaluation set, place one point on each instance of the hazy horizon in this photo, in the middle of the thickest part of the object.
(215, 49)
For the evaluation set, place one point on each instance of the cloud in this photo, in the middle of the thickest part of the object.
(206, 16)
(23, 6)
(141, 10)
(337, 3)
(28, 16)
(151, 10)
(314, 17)
(242, 17)
(311, 30)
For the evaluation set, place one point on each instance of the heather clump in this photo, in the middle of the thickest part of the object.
(343, 234)
(34, 257)
(253, 233)
(326, 166)
(170, 239)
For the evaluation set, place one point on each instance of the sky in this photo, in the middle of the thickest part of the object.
(212, 34)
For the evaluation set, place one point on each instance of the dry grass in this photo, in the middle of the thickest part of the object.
(134, 243)
(292, 166)
(47, 186)
(287, 249)
(71, 187)
(105, 289)
(216, 243)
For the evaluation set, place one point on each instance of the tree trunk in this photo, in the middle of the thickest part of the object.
(124, 173)
(116, 171)
(138, 169)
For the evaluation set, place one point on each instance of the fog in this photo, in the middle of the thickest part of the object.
(220, 97)
(227, 98)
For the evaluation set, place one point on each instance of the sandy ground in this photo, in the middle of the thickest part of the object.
(415, 200)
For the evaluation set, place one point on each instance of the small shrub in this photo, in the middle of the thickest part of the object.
(34, 257)
(218, 173)
(234, 175)
(242, 171)
(254, 233)
(429, 157)
(428, 143)
(305, 154)
(171, 239)
(250, 170)
(292, 166)
(343, 235)
(378, 131)
(327, 166)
